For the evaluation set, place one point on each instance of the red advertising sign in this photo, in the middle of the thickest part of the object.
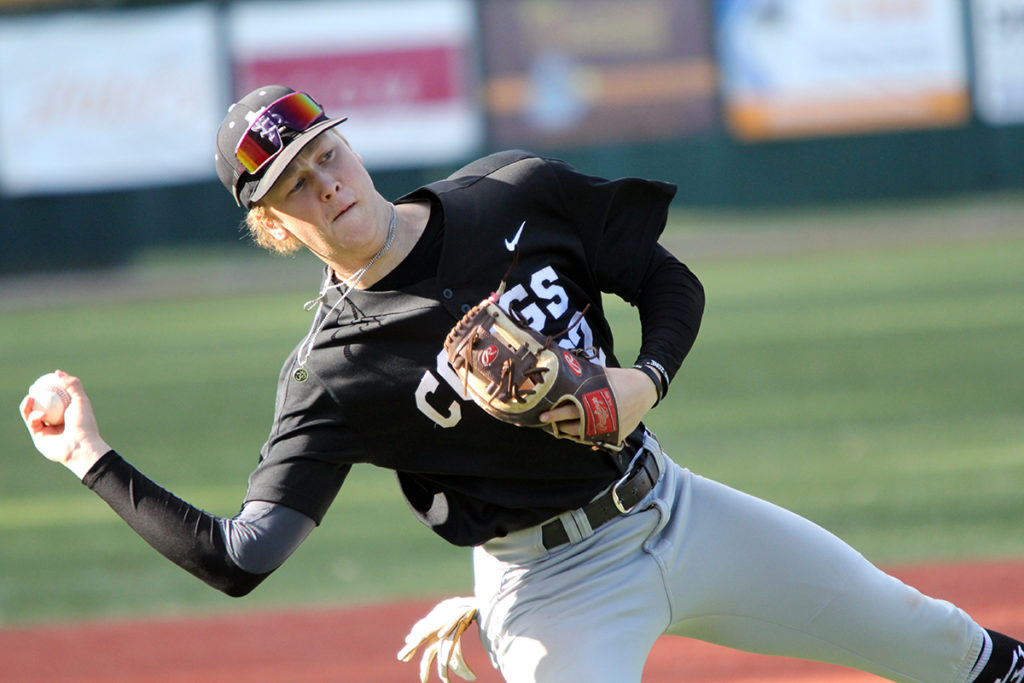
(400, 70)
(381, 78)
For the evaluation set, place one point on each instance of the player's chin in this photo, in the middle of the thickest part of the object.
(353, 229)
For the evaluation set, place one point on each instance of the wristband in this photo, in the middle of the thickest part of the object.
(662, 372)
(655, 377)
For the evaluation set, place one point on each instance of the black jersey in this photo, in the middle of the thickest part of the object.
(376, 387)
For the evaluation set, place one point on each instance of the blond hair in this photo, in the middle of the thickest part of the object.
(259, 220)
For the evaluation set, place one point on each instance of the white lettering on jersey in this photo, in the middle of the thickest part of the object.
(447, 373)
(543, 285)
(531, 312)
(581, 336)
(429, 384)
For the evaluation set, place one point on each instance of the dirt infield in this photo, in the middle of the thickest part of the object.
(359, 644)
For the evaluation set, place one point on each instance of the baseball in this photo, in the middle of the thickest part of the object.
(50, 397)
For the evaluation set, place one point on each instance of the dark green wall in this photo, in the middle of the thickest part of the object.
(98, 230)
(718, 172)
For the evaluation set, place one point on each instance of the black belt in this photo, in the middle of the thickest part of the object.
(618, 500)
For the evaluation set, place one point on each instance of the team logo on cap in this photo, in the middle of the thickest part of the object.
(489, 355)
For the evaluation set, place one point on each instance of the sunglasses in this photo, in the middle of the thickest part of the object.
(261, 141)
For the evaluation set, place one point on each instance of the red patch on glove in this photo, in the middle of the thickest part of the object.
(601, 414)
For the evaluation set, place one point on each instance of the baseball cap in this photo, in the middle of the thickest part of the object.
(261, 134)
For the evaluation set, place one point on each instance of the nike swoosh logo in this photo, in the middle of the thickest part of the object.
(511, 244)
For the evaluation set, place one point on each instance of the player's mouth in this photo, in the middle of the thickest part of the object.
(343, 211)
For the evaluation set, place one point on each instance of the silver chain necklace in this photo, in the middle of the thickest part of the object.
(346, 285)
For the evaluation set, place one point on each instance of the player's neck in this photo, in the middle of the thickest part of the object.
(410, 221)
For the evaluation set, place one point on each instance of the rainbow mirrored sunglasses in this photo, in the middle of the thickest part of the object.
(261, 141)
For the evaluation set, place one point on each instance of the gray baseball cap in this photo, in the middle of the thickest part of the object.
(261, 134)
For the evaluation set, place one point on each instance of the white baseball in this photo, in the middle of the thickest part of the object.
(50, 397)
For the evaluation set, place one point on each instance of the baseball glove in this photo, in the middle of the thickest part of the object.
(515, 374)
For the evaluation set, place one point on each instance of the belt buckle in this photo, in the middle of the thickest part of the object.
(619, 503)
(633, 471)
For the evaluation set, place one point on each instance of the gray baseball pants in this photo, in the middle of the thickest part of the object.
(702, 560)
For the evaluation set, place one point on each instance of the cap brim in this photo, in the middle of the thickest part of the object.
(291, 151)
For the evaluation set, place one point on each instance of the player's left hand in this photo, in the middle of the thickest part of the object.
(635, 395)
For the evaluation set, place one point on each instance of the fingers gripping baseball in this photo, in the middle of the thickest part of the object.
(73, 441)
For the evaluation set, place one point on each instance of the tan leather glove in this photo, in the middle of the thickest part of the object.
(515, 374)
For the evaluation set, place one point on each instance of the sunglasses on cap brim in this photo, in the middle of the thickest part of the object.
(261, 142)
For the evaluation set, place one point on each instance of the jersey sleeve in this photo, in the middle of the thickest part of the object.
(619, 221)
(670, 304)
(310, 450)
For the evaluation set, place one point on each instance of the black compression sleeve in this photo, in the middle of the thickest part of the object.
(670, 304)
(182, 533)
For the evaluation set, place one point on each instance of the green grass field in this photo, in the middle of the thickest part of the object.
(877, 388)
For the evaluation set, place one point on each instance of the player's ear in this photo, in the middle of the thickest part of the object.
(271, 225)
(277, 231)
(268, 231)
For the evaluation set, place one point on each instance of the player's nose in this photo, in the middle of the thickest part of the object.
(327, 185)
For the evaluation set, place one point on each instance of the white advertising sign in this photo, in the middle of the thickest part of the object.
(402, 71)
(999, 60)
(108, 100)
(800, 67)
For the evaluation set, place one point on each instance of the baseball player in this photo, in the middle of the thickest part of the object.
(583, 555)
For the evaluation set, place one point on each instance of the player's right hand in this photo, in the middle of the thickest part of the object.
(76, 443)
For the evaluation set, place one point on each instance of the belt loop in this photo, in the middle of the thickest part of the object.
(579, 516)
(622, 497)
(575, 524)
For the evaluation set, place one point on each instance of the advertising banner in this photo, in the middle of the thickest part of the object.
(999, 60)
(103, 100)
(401, 70)
(792, 68)
(581, 72)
